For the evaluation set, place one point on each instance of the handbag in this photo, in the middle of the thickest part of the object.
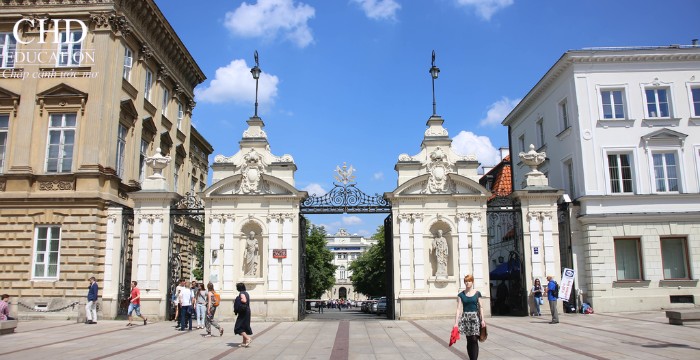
(454, 336)
(483, 334)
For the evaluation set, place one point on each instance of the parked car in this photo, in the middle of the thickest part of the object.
(381, 306)
(373, 308)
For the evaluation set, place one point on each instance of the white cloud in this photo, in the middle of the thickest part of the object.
(498, 111)
(314, 189)
(233, 82)
(379, 9)
(378, 176)
(273, 18)
(486, 8)
(467, 143)
(351, 220)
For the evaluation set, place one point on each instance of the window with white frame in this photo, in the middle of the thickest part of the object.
(142, 160)
(569, 177)
(620, 172)
(343, 274)
(695, 95)
(60, 144)
(8, 47)
(47, 245)
(148, 85)
(4, 129)
(564, 115)
(657, 100)
(665, 171)
(180, 115)
(540, 132)
(628, 259)
(121, 146)
(674, 256)
(613, 103)
(164, 105)
(128, 63)
(69, 49)
(521, 143)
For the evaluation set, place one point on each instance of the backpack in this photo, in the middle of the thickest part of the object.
(216, 299)
(555, 292)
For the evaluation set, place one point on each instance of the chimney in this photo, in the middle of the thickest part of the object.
(695, 42)
(504, 152)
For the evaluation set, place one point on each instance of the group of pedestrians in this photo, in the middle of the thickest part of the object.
(539, 292)
(190, 300)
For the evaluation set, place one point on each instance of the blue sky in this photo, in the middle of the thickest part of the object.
(347, 80)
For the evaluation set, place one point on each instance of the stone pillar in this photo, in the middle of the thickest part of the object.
(477, 249)
(113, 248)
(215, 251)
(229, 256)
(287, 231)
(463, 245)
(273, 265)
(418, 253)
(404, 252)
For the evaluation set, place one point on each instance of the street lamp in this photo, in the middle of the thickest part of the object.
(256, 75)
(434, 71)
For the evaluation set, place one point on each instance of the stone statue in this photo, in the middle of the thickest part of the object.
(250, 256)
(440, 249)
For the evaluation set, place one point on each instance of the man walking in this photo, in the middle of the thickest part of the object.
(91, 307)
(552, 297)
(185, 306)
(135, 303)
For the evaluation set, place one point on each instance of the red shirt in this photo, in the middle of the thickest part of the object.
(135, 296)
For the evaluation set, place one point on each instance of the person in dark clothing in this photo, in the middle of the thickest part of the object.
(91, 306)
(241, 308)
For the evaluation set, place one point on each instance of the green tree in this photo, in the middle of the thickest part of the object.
(320, 271)
(369, 269)
(198, 271)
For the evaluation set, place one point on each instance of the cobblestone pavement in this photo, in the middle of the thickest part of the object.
(644, 335)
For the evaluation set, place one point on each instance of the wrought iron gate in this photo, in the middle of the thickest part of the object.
(186, 230)
(302, 268)
(506, 267)
(125, 261)
(389, 257)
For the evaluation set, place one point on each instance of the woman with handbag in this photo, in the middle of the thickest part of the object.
(241, 307)
(470, 316)
(537, 295)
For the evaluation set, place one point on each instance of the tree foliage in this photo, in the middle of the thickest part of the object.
(320, 271)
(198, 271)
(369, 269)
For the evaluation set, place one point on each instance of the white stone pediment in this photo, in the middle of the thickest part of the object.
(232, 185)
(456, 185)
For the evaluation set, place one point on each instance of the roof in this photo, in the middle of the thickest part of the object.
(502, 184)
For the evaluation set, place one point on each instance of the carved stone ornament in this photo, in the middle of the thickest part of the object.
(405, 157)
(3, 184)
(145, 53)
(436, 131)
(55, 185)
(345, 175)
(533, 159)
(157, 162)
(438, 168)
(252, 170)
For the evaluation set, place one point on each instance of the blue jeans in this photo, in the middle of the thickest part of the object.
(185, 317)
(537, 305)
(201, 314)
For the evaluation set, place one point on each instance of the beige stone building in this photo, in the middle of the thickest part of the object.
(88, 90)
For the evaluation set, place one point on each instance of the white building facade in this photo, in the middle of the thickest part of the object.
(621, 130)
(345, 248)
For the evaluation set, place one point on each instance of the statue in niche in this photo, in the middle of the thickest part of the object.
(441, 251)
(250, 256)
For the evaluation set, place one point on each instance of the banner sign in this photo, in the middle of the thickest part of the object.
(279, 253)
(567, 283)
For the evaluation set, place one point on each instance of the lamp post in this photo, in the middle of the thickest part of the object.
(256, 75)
(434, 71)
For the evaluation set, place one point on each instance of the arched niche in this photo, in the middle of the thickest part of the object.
(449, 236)
(251, 241)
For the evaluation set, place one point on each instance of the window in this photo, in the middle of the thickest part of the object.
(193, 184)
(665, 171)
(620, 172)
(121, 145)
(142, 160)
(628, 259)
(674, 256)
(695, 94)
(613, 106)
(47, 242)
(148, 85)
(59, 153)
(657, 103)
(69, 53)
(180, 114)
(128, 62)
(540, 132)
(563, 115)
(8, 46)
(569, 173)
(164, 105)
(4, 127)
(177, 176)
(521, 142)
(342, 273)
